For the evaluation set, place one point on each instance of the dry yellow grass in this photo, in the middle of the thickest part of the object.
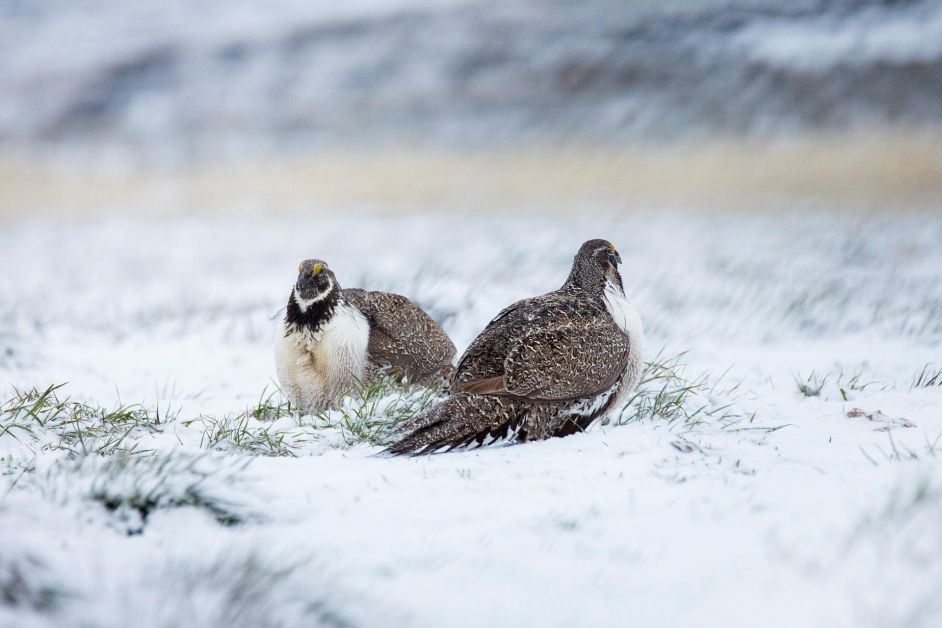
(864, 171)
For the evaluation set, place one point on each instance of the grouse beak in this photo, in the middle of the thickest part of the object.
(614, 256)
(311, 279)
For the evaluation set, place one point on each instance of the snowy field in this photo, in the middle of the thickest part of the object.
(780, 465)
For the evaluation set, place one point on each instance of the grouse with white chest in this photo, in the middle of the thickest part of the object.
(546, 366)
(334, 338)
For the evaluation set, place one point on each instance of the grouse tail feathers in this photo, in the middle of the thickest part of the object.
(461, 421)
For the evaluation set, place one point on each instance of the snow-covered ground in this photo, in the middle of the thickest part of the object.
(749, 503)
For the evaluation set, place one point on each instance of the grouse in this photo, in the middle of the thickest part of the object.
(545, 366)
(334, 338)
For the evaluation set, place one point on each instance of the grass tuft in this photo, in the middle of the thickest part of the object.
(242, 586)
(251, 431)
(80, 429)
(131, 488)
(928, 377)
(377, 408)
(853, 383)
(812, 385)
(271, 406)
(665, 394)
(21, 585)
(242, 432)
(367, 416)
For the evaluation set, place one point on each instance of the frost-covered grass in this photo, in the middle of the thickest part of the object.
(787, 428)
(665, 394)
(132, 488)
(47, 420)
(40, 418)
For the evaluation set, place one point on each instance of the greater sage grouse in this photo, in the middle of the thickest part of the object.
(334, 338)
(546, 366)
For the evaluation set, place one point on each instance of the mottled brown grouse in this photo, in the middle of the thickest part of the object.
(546, 366)
(333, 338)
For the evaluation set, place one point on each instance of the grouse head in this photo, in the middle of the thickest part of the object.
(595, 266)
(316, 282)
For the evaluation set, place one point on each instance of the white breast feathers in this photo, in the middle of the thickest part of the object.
(316, 368)
(627, 319)
(625, 315)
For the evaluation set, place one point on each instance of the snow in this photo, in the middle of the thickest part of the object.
(911, 36)
(173, 83)
(803, 513)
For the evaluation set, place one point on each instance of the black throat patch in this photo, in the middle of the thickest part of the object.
(314, 317)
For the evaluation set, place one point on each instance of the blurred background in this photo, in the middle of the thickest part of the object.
(170, 107)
